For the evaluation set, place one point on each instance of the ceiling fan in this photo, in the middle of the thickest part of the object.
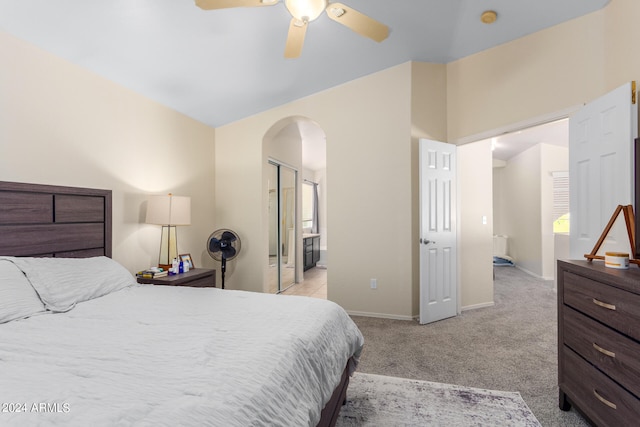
(305, 11)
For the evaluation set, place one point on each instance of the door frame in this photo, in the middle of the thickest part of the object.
(513, 127)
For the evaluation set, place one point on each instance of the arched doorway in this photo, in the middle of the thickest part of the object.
(294, 156)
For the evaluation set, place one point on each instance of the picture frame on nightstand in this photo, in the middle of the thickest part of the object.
(187, 258)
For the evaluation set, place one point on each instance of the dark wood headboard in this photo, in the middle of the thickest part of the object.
(55, 221)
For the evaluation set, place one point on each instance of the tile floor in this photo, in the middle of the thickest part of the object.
(314, 284)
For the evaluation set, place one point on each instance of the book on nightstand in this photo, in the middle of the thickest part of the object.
(152, 274)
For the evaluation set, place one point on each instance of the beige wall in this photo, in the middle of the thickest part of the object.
(553, 159)
(499, 205)
(543, 73)
(371, 190)
(523, 196)
(428, 101)
(62, 125)
(475, 251)
(521, 202)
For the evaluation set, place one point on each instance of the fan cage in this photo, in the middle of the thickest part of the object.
(236, 244)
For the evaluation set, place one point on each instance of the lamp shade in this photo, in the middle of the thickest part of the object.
(169, 210)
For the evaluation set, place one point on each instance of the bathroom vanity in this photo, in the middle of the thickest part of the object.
(311, 250)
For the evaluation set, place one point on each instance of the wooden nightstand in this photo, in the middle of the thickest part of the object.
(196, 277)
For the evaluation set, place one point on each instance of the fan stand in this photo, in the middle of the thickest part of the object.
(224, 268)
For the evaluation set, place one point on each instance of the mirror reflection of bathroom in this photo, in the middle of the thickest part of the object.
(287, 229)
(314, 212)
(314, 249)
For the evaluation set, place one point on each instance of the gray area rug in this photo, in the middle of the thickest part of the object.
(376, 400)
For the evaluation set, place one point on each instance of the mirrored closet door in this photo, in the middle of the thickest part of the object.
(282, 226)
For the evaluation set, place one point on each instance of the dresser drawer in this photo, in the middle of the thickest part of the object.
(611, 306)
(600, 398)
(613, 353)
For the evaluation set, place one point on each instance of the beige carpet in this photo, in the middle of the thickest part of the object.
(375, 400)
(510, 346)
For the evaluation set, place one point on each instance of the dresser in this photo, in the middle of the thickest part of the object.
(599, 341)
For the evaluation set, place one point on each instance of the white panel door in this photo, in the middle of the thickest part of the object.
(438, 267)
(601, 138)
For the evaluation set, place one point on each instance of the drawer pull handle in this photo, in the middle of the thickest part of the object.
(604, 304)
(603, 351)
(605, 401)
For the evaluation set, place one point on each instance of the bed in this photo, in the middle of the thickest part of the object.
(82, 344)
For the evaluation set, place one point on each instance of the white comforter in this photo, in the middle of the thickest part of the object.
(168, 356)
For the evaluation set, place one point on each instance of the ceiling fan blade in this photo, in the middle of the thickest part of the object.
(358, 22)
(225, 4)
(295, 39)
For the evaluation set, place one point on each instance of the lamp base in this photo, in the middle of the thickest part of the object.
(168, 246)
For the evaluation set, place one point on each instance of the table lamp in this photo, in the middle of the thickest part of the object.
(168, 211)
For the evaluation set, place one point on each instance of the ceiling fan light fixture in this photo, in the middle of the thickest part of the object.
(306, 10)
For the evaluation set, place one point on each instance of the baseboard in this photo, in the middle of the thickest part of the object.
(476, 306)
(379, 315)
(413, 318)
(530, 273)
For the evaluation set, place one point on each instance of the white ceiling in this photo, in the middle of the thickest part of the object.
(222, 65)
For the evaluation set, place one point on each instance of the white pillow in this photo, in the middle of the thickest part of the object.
(17, 297)
(63, 282)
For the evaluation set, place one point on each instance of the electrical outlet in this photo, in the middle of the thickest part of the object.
(374, 283)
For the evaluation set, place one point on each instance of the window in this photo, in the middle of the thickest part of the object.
(307, 205)
(561, 202)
